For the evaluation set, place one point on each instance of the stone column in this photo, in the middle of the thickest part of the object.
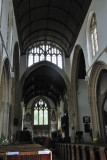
(73, 112)
(7, 122)
(1, 117)
(94, 113)
(5, 119)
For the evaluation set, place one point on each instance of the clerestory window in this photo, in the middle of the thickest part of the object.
(45, 52)
(41, 113)
(93, 35)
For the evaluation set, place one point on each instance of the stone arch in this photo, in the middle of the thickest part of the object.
(45, 63)
(89, 48)
(74, 110)
(15, 71)
(93, 99)
(78, 90)
(16, 106)
(53, 66)
(103, 115)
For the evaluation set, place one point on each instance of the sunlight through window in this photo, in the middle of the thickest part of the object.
(45, 52)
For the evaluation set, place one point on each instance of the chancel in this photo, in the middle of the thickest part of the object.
(53, 79)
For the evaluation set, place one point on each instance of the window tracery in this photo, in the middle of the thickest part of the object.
(45, 52)
(41, 113)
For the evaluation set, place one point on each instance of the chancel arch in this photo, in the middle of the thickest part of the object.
(45, 79)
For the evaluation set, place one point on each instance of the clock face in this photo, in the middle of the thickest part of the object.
(28, 117)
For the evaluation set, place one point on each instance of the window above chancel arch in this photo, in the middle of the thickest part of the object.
(45, 52)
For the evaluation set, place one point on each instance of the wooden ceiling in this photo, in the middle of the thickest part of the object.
(44, 81)
(57, 21)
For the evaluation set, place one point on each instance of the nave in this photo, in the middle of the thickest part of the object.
(53, 78)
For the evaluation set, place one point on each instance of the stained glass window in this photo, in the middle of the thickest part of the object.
(41, 113)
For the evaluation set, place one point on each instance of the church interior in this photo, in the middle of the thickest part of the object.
(53, 79)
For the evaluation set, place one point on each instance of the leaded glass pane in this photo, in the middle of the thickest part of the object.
(60, 61)
(54, 59)
(48, 58)
(37, 50)
(45, 117)
(47, 47)
(42, 57)
(35, 117)
(36, 58)
(41, 117)
(30, 60)
(40, 102)
(40, 51)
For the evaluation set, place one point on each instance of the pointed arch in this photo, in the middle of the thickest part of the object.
(79, 89)
(49, 64)
(92, 87)
(5, 98)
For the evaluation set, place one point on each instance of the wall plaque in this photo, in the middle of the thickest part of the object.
(86, 119)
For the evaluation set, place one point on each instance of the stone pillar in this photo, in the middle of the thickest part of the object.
(73, 112)
(1, 107)
(17, 110)
(95, 119)
(7, 122)
(1, 117)
(10, 128)
(23, 113)
(5, 119)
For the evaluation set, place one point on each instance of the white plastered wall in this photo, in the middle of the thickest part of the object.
(100, 9)
(8, 31)
(8, 38)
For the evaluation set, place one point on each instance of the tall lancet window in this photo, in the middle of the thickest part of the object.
(93, 35)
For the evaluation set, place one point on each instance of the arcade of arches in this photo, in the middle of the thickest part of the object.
(51, 82)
